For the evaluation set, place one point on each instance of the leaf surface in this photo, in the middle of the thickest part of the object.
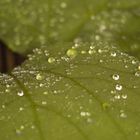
(78, 92)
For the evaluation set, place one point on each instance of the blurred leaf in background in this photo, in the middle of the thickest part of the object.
(72, 92)
(28, 24)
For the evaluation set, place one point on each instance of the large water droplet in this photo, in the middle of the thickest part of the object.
(51, 60)
(72, 53)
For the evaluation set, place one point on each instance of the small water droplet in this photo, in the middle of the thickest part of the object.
(139, 67)
(123, 114)
(39, 76)
(124, 96)
(134, 61)
(118, 87)
(91, 51)
(115, 77)
(113, 54)
(20, 93)
(51, 60)
(18, 131)
(83, 52)
(72, 53)
(45, 93)
(117, 97)
(44, 102)
(137, 74)
(83, 114)
(63, 5)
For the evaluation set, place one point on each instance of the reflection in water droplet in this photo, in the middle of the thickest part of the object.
(72, 53)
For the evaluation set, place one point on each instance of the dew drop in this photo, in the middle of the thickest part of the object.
(124, 96)
(83, 114)
(44, 102)
(20, 93)
(72, 53)
(18, 132)
(137, 74)
(39, 77)
(115, 77)
(91, 51)
(117, 97)
(123, 114)
(45, 93)
(134, 61)
(118, 87)
(83, 52)
(51, 60)
(139, 67)
(113, 54)
(63, 5)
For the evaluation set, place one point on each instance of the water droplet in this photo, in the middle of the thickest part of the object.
(115, 77)
(139, 67)
(137, 74)
(118, 87)
(134, 61)
(21, 109)
(39, 76)
(117, 97)
(18, 132)
(51, 60)
(123, 114)
(72, 53)
(136, 133)
(83, 114)
(20, 93)
(44, 102)
(91, 51)
(83, 52)
(124, 96)
(45, 93)
(113, 54)
(63, 5)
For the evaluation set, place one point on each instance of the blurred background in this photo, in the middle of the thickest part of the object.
(9, 59)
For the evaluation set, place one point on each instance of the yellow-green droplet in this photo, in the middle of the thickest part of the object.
(39, 76)
(51, 60)
(72, 53)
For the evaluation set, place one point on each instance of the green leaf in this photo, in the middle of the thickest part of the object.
(72, 91)
(27, 24)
